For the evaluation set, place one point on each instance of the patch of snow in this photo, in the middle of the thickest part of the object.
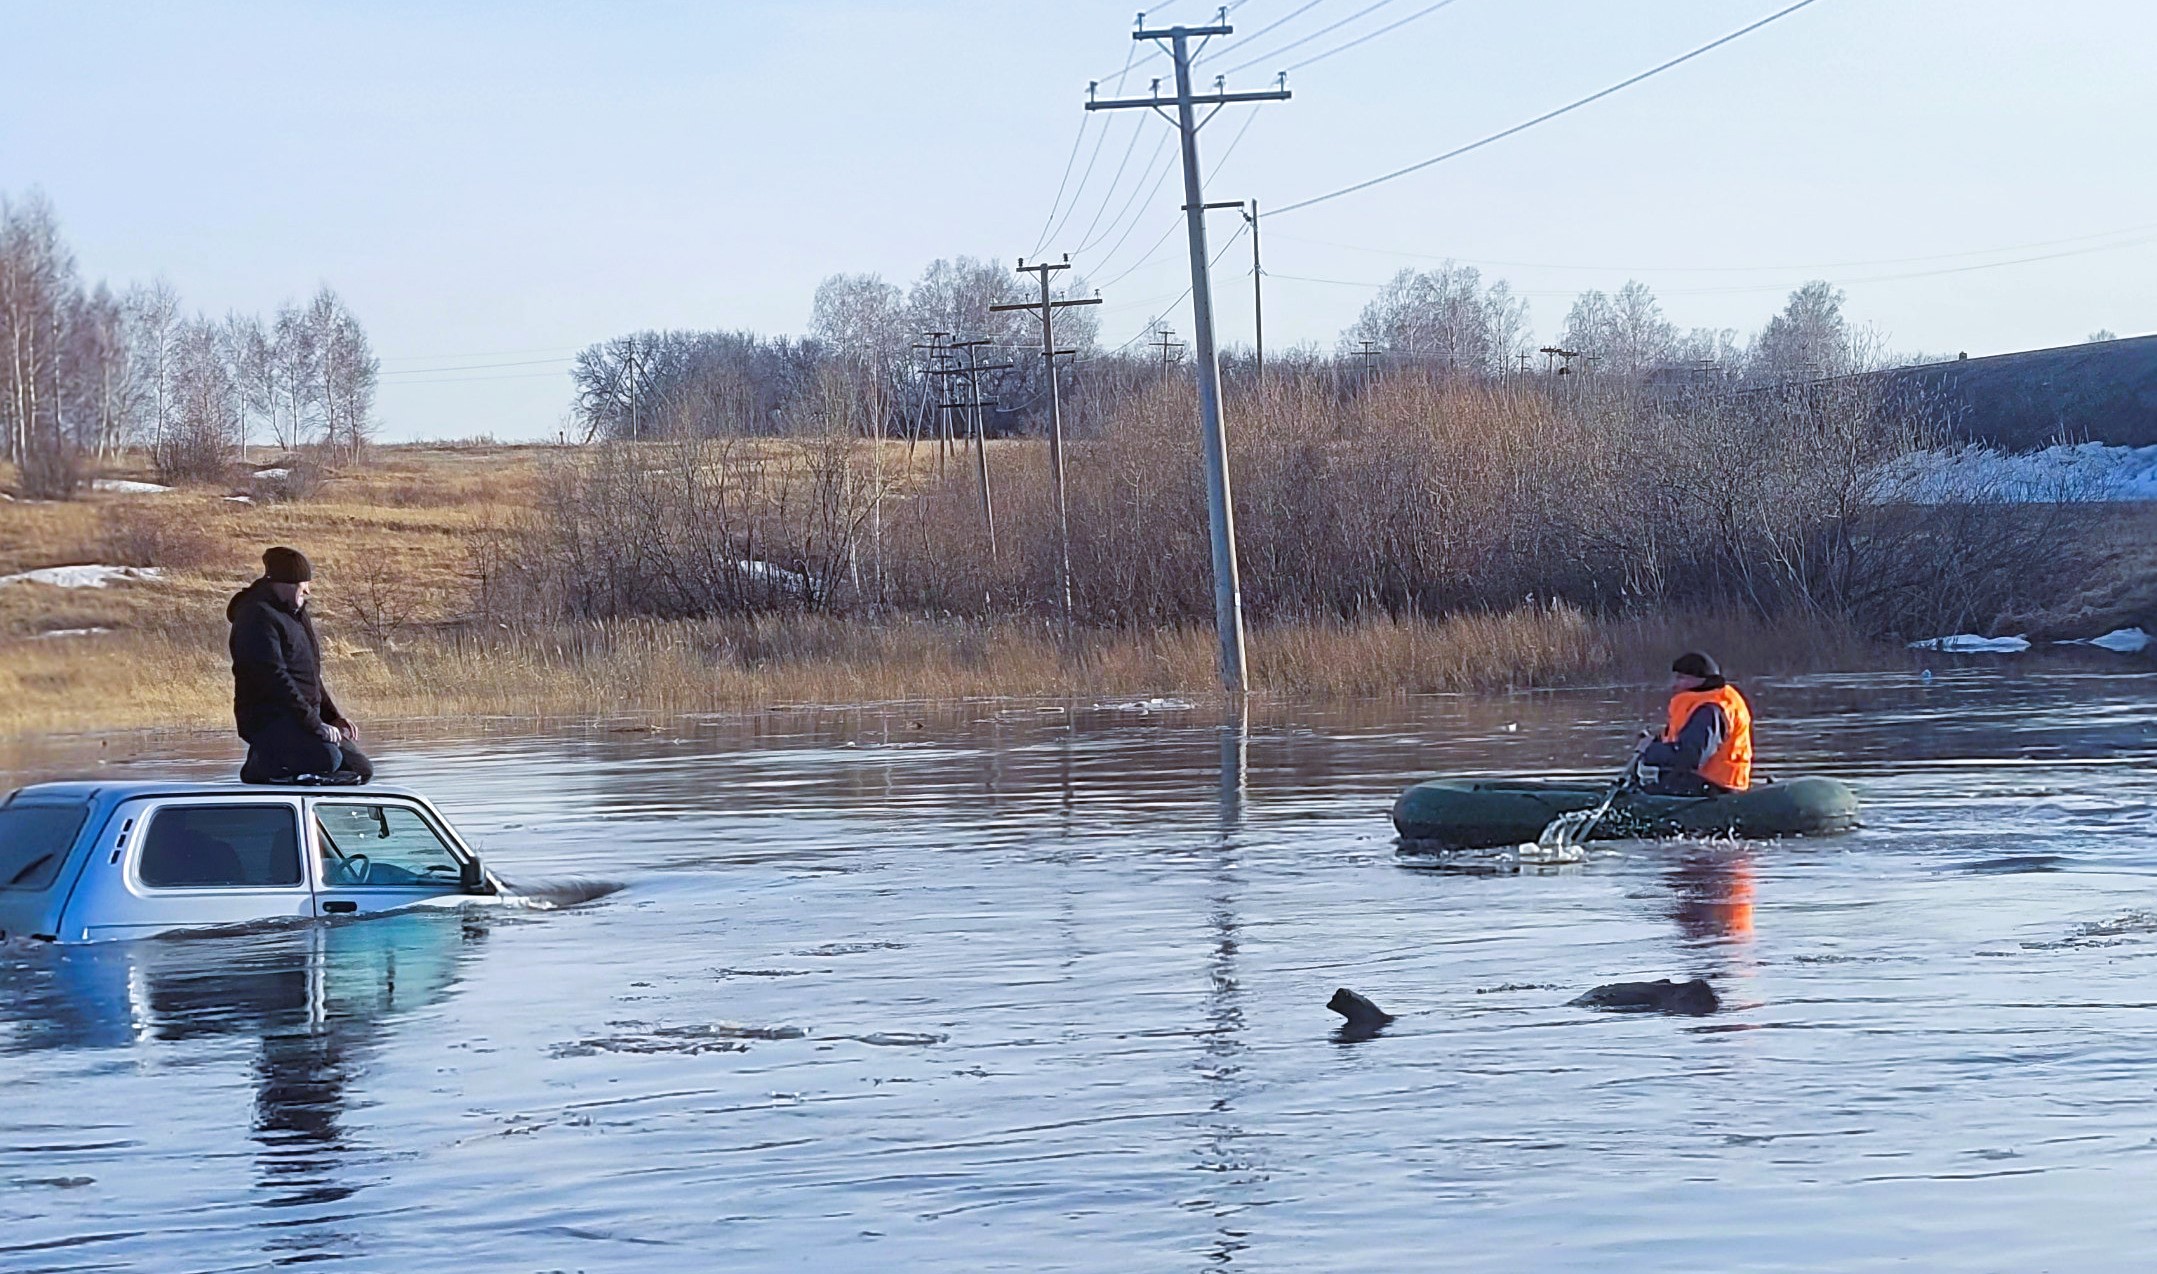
(273, 475)
(80, 576)
(71, 632)
(2123, 641)
(1147, 705)
(1972, 644)
(2081, 472)
(239, 499)
(124, 486)
(787, 581)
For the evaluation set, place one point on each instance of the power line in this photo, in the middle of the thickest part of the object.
(1087, 239)
(1393, 26)
(1218, 164)
(487, 353)
(1137, 192)
(474, 367)
(1277, 23)
(1787, 267)
(1303, 40)
(1048, 223)
(1741, 288)
(1049, 231)
(1548, 115)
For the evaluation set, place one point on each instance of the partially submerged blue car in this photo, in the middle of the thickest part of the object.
(91, 862)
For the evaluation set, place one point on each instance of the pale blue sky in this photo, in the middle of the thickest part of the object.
(492, 184)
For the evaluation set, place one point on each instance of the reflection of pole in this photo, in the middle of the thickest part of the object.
(1221, 523)
(1235, 762)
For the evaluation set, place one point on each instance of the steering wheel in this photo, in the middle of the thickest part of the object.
(355, 867)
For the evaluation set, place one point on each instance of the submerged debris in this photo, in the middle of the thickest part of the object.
(1364, 1019)
(1688, 999)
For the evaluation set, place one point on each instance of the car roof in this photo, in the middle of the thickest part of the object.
(84, 792)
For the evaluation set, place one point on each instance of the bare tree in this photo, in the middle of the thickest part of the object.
(1444, 318)
(1809, 340)
(1626, 335)
(344, 370)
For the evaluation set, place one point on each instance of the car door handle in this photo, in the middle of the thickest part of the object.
(340, 906)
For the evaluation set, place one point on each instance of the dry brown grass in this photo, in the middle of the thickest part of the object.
(396, 551)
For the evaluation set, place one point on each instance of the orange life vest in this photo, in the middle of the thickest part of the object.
(1731, 765)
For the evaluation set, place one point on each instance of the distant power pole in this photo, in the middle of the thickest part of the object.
(1367, 353)
(974, 403)
(1171, 348)
(1258, 292)
(1227, 585)
(1046, 312)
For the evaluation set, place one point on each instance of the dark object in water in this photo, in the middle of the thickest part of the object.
(1688, 999)
(1490, 813)
(1365, 1019)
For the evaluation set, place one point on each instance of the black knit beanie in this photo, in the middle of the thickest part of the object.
(286, 566)
(1695, 664)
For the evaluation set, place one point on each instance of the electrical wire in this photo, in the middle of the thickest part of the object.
(1216, 260)
(1070, 161)
(1785, 285)
(1218, 164)
(1391, 26)
(1303, 40)
(1108, 197)
(1079, 194)
(1277, 23)
(1784, 268)
(489, 353)
(1547, 115)
(474, 367)
(1140, 194)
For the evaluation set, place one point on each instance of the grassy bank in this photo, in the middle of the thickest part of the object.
(401, 545)
(657, 669)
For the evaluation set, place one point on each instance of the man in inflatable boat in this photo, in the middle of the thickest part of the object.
(294, 732)
(1706, 745)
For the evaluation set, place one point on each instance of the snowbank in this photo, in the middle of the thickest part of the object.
(2125, 641)
(80, 576)
(272, 475)
(123, 486)
(71, 632)
(1972, 644)
(2088, 471)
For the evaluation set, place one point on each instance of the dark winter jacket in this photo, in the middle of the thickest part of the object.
(276, 664)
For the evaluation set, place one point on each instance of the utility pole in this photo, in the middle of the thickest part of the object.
(1258, 293)
(981, 438)
(1046, 312)
(1367, 353)
(1171, 348)
(1227, 585)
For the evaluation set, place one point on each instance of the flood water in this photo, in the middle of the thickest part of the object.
(1009, 987)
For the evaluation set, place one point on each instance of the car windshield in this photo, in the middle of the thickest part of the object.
(366, 843)
(34, 841)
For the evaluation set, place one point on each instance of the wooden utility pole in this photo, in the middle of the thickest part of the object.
(1367, 353)
(973, 402)
(1045, 310)
(1227, 584)
(1171, 348)
(1258, 292)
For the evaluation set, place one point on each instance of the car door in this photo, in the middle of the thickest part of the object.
(373, 854)
(185, 864)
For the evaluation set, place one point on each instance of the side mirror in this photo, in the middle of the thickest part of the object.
(472, 877)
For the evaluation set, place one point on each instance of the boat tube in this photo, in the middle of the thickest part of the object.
(1489, 813)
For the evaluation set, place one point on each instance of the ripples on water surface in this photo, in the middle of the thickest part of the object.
(1016, 989)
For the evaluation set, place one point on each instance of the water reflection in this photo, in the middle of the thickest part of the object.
(317, 997)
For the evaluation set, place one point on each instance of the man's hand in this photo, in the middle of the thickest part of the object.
(346, 731)
(329, 733)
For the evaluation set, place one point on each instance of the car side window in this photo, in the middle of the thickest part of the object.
(364, 843)
(221, 847)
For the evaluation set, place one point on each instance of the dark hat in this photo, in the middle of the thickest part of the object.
(1694, 664)
(287, 566)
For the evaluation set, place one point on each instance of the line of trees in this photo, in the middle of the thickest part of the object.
(86, 372)
(866, 335)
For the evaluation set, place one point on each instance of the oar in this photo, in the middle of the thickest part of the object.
(1574, 827)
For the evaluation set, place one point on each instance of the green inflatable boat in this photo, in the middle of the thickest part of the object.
(1489, 813)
